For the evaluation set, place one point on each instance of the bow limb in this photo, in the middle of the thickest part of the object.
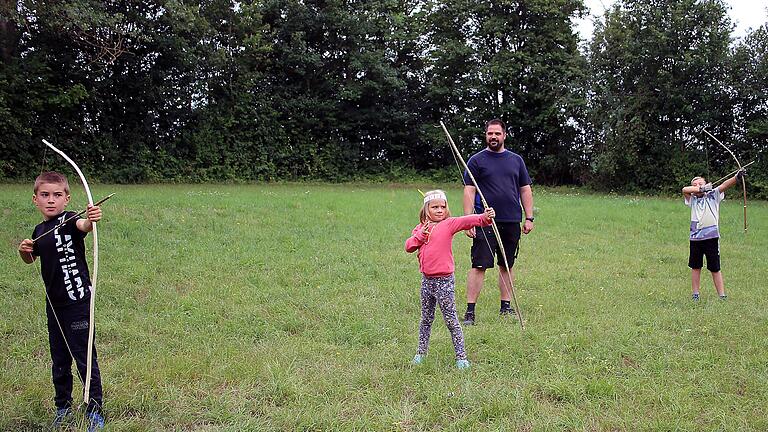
(456, 152)
(743, 182)
(89, 360)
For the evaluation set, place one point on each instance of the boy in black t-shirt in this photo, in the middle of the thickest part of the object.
(68, 289)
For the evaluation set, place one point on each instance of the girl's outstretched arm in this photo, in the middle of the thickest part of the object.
(465, 222)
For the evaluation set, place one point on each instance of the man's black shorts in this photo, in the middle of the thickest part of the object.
(482, 257)
(701, 248)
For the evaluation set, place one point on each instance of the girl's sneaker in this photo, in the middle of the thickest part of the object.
(418, 359)
(462, 364)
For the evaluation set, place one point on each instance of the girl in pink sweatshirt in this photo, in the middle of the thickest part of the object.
(433, 238)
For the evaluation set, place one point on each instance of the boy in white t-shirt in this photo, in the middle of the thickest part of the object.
(704, 201)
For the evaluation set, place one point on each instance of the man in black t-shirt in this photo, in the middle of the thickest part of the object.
(68, 289)
(503, 178)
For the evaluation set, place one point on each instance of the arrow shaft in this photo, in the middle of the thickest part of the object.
(727, 176)
(64, 222)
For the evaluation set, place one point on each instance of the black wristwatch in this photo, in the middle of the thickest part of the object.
(529, 219)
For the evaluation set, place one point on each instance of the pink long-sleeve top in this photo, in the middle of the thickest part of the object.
(436, 248)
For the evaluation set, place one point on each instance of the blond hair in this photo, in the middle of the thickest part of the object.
(696, 178)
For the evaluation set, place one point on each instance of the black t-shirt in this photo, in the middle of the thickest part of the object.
(62, 261)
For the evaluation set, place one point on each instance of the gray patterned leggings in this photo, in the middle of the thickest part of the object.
(440, 290)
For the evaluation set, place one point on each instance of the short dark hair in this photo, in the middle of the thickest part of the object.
(496, 121)
(52, 177)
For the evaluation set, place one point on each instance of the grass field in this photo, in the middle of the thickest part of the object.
(294, 307)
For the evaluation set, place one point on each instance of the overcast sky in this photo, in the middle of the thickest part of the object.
(745, 14)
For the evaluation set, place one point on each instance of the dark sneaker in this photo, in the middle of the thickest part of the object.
(62, 417)
(95, 422)
(507, 312)
(695, 297)
(723, 297)
(469, 319)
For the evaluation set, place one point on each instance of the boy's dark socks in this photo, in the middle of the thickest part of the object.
(470, 307)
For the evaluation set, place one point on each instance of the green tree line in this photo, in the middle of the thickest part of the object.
(172, 90)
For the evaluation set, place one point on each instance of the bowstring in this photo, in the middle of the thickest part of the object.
(61, 329)
(45, 160)
(493, 223)
(485, 236)
(706, 154)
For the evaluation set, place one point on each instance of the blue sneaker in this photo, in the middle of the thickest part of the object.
(695, 297)
(418, 359)
(95, 422)
(63, 415)
(462, 364)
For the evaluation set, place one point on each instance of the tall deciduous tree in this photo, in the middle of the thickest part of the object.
(749, 78)
(341, 89)
(516, 60)
(346, 82)
(59, 50)
(659, 75)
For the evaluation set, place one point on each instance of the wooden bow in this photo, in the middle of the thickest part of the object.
(493, 221)
(743, 182)
(89, 362)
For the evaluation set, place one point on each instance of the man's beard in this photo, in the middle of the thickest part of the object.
(494, 145)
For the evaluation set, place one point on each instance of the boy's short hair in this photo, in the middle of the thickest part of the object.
(496, 121)
(696, 178)
(52, 177)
